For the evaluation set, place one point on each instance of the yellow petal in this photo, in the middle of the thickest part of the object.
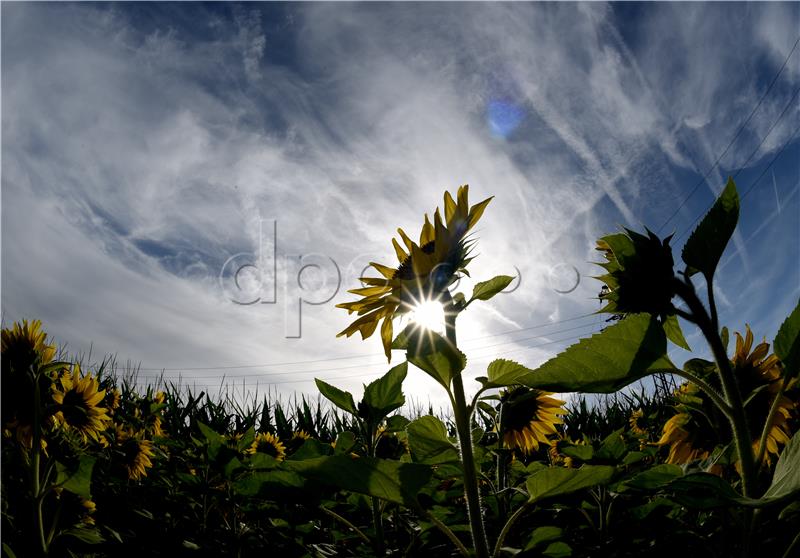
(386, 336)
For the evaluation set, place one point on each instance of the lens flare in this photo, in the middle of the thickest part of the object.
(428, 314)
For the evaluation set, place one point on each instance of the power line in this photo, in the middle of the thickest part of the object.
(349, 357)
(351, 366)
(750, 188)
(733, 140)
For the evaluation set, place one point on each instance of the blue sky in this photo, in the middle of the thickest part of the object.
(146, 145)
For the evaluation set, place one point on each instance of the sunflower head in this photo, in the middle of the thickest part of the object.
(639, 273)
(425, 269)
(636, 422)
(761, 374)
(78, 399)
(268, 443)
(25, 345)
(528, 417)
(135, 452)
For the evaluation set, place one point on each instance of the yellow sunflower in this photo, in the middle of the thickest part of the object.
(686, 440)
(136, 453)
(425, 269)
(269, 444)
(77, 404)
(24, 344)
(528, 417)
(753, 370)
(634, 421)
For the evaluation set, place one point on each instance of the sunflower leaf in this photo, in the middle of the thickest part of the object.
(77, 480)
(542, 535)
(487, 289)
(502, 372)
(436, 356)
(786, 479)
(388, 480)
(385, 394)
(707, 242)
(607, 361)
(428, 441)
(340, 398)
(556, 480)
(674, 333)
(787, 342)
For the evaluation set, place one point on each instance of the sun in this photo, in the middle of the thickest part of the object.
(428, 314)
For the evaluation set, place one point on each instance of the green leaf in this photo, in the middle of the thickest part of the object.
(558, 549)
(702, 491)
(542, 535)
(345, 442)
(706, 244)
(672, 328)
(396, 423)
(8, 552)
(613, 447)
(787, 342)
(76, 479)
(556, 480)
(428, 441)
(436, 356)
(606, 361)
(84, 534)
(487, 289)
(388, 480)
(270, 484)
(340, 398)
(210, 435)
(385, 394)
(655, 477)
(583, 453)
(786, 479)
(502, 372)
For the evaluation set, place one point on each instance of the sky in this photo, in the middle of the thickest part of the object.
(193, 188)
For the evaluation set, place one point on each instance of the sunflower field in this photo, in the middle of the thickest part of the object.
(707, 464)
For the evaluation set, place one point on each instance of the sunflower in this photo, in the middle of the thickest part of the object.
(639, 274)
(136, 453)
(88, 508)
(754, 370)
(426, 269)
(24, 350)
(77, 399)
(688, 440)
(269, 444)
(634, 421)
(528, 417)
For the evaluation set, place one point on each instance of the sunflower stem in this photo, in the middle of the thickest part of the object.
(507, 527)
(773, 409)
(462, 416)
(448, 533)
(730, 389)
(717, 399)
(346, 522)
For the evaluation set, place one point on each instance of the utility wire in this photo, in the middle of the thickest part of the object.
(735, 137)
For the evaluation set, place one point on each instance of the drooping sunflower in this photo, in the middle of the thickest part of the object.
(639, 273)
(635, 422)
(25, 349)
(78, 407)
(425, 269)
(528, 417)
(756, 369)
(688, 439)
(269, 444)
(135, 453)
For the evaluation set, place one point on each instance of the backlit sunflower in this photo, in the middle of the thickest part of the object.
(425, 269)
(136, 453)
(528, 417)
(25, 349)
(688, 439)
(756, 369)
(635, 422)
(78, 404)
(269, 444)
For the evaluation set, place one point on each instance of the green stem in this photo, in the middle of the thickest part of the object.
(507, 527)
(448, 533)
(462, 417)
(36, 458)
(344, 521)
(730, 389)
(762, 443)
(715, 397)
(377, 519)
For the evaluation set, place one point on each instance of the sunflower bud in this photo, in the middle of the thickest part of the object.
(640, 274)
